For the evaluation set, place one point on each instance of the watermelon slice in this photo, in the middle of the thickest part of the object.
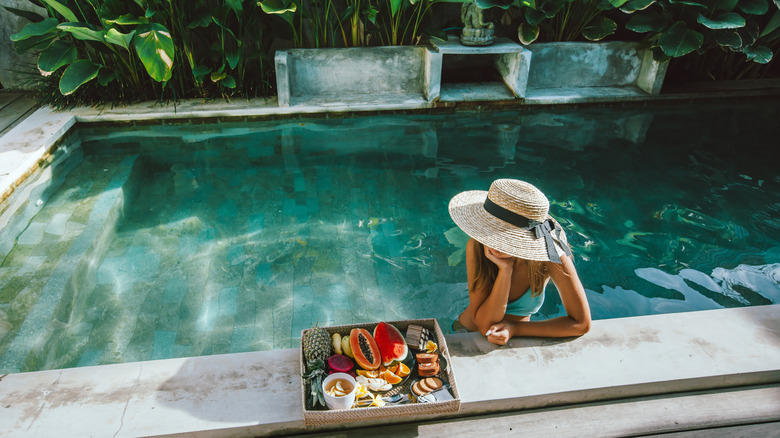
(391, 343)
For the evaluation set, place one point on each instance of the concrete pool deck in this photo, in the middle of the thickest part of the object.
(628, 376)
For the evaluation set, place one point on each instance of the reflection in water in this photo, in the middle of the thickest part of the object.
(241, 235)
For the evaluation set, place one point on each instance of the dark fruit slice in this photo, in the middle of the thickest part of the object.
(391, 343)
(340, 363)
(364, 349)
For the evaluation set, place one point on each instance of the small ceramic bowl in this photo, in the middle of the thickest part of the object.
(348, 385)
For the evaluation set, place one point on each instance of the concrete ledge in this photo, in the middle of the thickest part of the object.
(252, 394)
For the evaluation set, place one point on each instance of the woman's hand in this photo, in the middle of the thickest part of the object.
(500, 333)
(503, 261)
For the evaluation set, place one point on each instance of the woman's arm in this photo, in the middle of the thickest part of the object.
(575, 323)
(486, 307)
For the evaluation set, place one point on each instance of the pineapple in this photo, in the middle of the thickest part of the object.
(316, 350)
(316, 344)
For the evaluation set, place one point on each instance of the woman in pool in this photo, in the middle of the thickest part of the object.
(516, 247)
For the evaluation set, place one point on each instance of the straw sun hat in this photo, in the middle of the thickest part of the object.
(512, 217)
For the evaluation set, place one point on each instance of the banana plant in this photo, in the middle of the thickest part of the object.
(676, 28)
(90, 51)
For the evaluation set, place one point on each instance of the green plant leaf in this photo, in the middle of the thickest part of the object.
(62, 10)
(200, 72)
(679, 40)
(128, 20)
(32, 16)
(527, 33)
(35, 29)
(235, 5)
(727, 38)
(232, 56)
(58, 54)
(688, 2)
(38, 42)
(77, 74)
(228, 82)
(218, 75)
(726, 20)
(617, 3)
(155, 48)
(724, 5)
(487, 4)
(83, 31)
(599, 28)
(647, 22)
(632, 6)
(106, 76)
(200, 18)
(754, 7)
(534, 17)
(114, 36)
(277, 6)
(759, 54)
(395, 6)
(773, 24)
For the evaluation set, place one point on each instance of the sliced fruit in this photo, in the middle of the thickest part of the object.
(340, 363)
(336, 341)
(364, 349)
(345, 348)
(366, 373)
(391, 378)
(391, 343)
(403, 370)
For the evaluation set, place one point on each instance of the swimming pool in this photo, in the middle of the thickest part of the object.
(180, 240)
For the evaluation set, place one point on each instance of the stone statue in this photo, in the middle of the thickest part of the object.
(475, 31)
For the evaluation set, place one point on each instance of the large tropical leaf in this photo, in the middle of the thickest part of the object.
(277, 6)
(395, 6)
(688, 2)
(617, 3)
(727, 38)
(533, 17)
(128, 20)
(726, 20)
(58, 54)
(84, 31)
(77, 74)
(32, 16)
(754, 7)
(155, 48)
(725, 5)
(679, 40)
(527, 33)
(35, 29)
(647, 22)
(38, 42)
(61, 9)
(114, 36)
(759, 54)
(599, 28)
(773, 24)
(487, 4)
(636, 5)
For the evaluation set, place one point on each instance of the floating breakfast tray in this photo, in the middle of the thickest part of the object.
(323, 416)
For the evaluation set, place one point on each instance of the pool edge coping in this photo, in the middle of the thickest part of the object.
(258, 393)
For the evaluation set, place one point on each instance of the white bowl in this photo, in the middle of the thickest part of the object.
(342, 402)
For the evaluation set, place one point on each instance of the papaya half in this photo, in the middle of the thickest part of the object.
(364, 348)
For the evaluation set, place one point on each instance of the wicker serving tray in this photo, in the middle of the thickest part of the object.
(323, 416)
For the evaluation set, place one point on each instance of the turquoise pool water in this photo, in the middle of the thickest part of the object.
(195, 239)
